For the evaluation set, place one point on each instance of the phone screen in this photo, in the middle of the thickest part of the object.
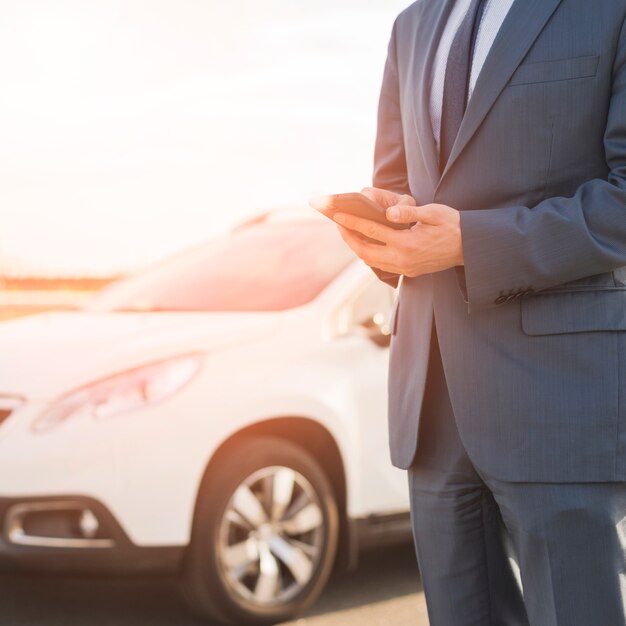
(355, 204)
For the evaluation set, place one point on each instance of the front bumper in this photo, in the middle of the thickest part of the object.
(145, 468)
(74, 534)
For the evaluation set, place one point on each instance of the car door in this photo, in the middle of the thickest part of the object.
(382, 487)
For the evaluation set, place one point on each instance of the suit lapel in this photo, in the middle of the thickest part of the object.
(520, 28)
(427, 36)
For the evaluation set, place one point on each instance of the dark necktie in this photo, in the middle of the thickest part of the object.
(457, 78)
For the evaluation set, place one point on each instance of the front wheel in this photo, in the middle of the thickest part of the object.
(265, 534)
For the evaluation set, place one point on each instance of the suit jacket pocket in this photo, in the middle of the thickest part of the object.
(559, 69)
(578, 311)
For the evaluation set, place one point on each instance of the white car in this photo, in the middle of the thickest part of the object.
(221, 415)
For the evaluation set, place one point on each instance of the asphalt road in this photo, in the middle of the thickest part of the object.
(384, 591)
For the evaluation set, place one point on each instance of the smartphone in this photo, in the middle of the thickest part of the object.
(356, 204)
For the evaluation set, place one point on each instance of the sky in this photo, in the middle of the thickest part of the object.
(130, 129)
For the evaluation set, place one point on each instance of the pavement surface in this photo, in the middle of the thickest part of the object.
(384, 591)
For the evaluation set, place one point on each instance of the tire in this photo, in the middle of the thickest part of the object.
(289, 528)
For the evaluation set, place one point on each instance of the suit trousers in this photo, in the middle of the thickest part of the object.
(501, 553)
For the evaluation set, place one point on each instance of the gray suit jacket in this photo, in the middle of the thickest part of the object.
(533, 329)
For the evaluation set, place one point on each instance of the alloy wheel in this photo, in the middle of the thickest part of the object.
(271, 537)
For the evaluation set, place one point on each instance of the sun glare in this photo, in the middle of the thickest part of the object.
(131, 129)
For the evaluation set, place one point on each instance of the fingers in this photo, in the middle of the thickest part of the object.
(371, 192)
(380, 196)
(319, 203)
(433, 244)
(355, 242)
(386, 198)
(375, 255)
(406, 199)
(370, 229)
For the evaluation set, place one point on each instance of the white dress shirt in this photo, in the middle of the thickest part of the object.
(493, 15)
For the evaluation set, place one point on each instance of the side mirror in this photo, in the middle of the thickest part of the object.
(376, 329)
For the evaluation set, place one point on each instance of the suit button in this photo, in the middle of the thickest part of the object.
(501, 299)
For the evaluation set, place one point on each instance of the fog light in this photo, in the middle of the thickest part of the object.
(54, 524)
(89, 524)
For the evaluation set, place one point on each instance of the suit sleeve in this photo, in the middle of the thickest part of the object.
(390, 170)
(560, 239)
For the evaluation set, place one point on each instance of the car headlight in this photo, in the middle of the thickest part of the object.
(122, 392)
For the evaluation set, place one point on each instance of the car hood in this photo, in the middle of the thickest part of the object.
(50, 353)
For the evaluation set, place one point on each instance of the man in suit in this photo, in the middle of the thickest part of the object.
(502, 133)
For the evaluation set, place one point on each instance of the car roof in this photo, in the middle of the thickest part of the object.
(280, 215)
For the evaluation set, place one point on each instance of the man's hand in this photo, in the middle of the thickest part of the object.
(431, 245)
(386, 198)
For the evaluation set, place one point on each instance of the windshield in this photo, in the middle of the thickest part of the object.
(269, 266)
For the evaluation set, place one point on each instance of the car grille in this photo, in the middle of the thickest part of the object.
(9, 404)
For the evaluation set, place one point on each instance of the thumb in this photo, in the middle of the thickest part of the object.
(405, 214)
(402, 213)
